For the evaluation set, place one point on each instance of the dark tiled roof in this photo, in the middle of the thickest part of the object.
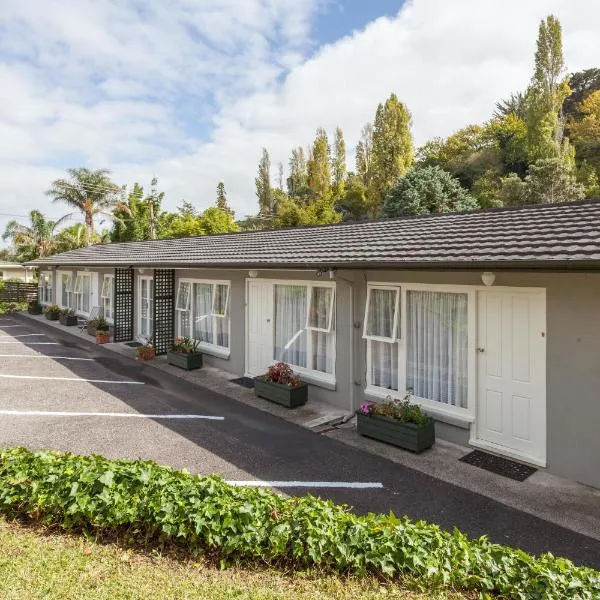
(565, 235)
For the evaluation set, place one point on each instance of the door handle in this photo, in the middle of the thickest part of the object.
(481, 350)
(268, 320)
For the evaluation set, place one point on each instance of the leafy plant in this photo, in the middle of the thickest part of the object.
(146, 352)
(185, 345)
(399, 410)
(67, 312)
(283, 374)
(9, 308)
(53, 310)
(152, 504)
(99, 323)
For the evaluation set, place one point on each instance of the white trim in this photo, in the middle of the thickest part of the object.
(44, 356)
(79, 294)
(111, 296)
(397, 306)
(60, 289)
(309, 304)
(217, 351)
(5, 376)
(139, 306)
(46, 283)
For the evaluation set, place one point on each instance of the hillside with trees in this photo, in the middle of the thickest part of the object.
(540, 145)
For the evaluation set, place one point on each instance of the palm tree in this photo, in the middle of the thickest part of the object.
(35, 240)
(90, 192)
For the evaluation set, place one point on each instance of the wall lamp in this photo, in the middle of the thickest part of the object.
(488, 278)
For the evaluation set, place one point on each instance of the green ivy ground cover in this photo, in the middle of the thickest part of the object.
(151, 503)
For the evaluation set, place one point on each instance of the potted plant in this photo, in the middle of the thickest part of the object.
(281, 385)
(52, 312)
(146, 352)
(95, 324)
(184, 354)
(397, 422)
(67, 317)
(34, 307)
(102, 333)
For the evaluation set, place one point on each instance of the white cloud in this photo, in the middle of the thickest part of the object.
(190, 92)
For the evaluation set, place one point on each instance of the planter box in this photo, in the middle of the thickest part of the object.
(186, 361)
(51, 316)
(35, 309)
(91, 329)
(102, 336)
(68, 320)
(409, 436)
(281, 394)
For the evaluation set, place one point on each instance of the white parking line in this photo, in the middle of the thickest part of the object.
(9, 337)
(43, 413)
(358, 485)
(70, 379)
(31, 343)
(7, 326)
(44, 356)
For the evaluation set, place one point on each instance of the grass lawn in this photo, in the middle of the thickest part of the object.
(37, 564)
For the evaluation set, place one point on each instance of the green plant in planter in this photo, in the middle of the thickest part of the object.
(399, 410)
(184, 354)
(185, 345)
(146, 352)
(281, 385)
(68, 317)
(97, 324)
(52, 312)
(34, 307)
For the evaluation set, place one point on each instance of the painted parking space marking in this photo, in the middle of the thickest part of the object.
(357, 485)
(45, 356)
(10, 337)
(40, 377)
(44, 413)
(7, 326)
(30, 343)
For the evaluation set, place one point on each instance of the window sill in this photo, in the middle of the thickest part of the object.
(324, 380)
(445, 415)
(216, 351)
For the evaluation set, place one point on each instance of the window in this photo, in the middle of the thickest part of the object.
(82, 292)
(66, 293)
(304, 326)
(107, 294)
(45, 288)
(203, 313)
(432, 357)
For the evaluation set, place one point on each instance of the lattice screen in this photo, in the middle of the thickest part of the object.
(164, 309)
(123, 295)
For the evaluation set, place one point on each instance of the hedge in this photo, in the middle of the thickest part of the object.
(151, 503)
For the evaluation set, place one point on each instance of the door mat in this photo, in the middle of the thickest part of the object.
(133, 344)
(246, 382)
(500, 466)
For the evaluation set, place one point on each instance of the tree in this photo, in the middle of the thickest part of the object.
(216, 220)
(222, 203)
(319, 172)
(73, 237)
(364, 155)
(90, 192)
(154, 201)
(585, 131)
(35, 240)
(425, 191)
(550, 181)
(297, 182)
(393, 152)
(509, 136)
(486, 189)
(263, 185)
(353, 204)
(546, 94)
(514, 105)
(189, 222)
(513, 191)
(338, 163)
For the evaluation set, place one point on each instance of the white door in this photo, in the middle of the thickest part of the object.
(259, 345)
(511, 347)
(146, 307)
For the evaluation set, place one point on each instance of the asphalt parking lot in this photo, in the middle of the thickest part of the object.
(59, 392)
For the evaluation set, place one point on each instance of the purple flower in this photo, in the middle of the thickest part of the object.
(365, 408)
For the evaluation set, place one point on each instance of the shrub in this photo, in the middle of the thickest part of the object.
(282, 373)
(146, 352)
(67, 312)
(53, 310)
(151, 503)
(99, 324)
(399, 410)
(185, 345)
(9, 308)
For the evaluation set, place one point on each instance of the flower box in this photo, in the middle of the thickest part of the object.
(185, 360)
(35, 309)
(68, 320)
(409, 436)
(279, 393)
(102, 336)
(51, 316)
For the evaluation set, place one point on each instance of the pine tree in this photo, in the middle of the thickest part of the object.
(546, 94)
(393, 151)
(297, 182)
(338, 163)
(222, 199)
(264, 193)
(319, 172)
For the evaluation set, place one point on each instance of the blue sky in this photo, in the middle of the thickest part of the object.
(190, 91)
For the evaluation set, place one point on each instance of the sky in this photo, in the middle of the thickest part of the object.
(189, 91)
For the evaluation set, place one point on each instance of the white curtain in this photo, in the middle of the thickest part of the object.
(203, 329)
(380, 316)
(384, 364)
(290, 324)
(436, 346)
(85, 294)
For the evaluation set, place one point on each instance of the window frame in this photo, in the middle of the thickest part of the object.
(45, 287)
(78, 294)
(65, 289)
(206, 347)
(461, 414)
(398, 313)
(189, 298)
(110, 296)
(309, 305)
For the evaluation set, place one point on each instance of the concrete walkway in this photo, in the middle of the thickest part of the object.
(553, 499)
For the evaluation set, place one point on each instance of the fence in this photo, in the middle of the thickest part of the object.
(18, 291)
